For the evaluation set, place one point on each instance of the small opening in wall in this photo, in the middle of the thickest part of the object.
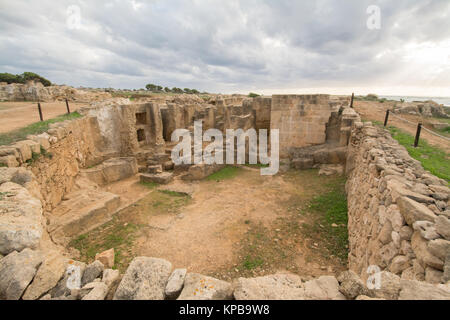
(141, 118)
(140, 135)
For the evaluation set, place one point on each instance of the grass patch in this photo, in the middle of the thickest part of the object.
(432, 158)
(114, 234)
(223, 174)
(329, 227)
(35, 128)
(251, 263)
(173, 193)
(150, 185)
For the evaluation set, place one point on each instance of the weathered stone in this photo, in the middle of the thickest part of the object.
(413, 211)
(47, 277)
(406, 233)
(145, 279)
(439, 247)
(420, 248)
(98, 292)
(446, 276)
(161, 178)
(406, 249)
(433, 276)
(399, 190)
(17, 270)
(20, 219)
(443, 227)
(323, 288)
(427, 229)
(106, 258)
(415, 290)
(389, 286)
(385, 235)
(199, 287)
(398, 264)
(175, 283)
(273, 287)
(110, 277)
(9, 161)
(351, 285)
(92, 272)
(155, 169)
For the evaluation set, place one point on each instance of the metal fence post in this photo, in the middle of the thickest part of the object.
(40, 111)
(386, 119)
(67, 105)
(419, 129)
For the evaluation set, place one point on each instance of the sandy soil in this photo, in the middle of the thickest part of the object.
(210, 232)
(370, 110)
(15, 115)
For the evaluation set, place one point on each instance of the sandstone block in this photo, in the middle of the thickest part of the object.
(145, 279)
(413, 211)
(199, 287)
(273, 287)
(161, 178)
(106, 258)
(175, 283)
(17, 270)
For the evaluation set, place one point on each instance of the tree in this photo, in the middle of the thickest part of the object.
(151, 87)
(167, 89)
(24, 77)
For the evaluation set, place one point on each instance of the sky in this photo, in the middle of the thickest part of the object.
(386, 47)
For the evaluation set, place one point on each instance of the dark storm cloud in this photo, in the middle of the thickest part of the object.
(225, 45)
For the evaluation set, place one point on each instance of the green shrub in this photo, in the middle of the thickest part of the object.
(253, 95)
(24, 77)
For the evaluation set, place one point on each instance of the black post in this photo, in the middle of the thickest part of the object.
(419, 129)
(40, 111)
(387, 118)
(67, 105)
(351, 102)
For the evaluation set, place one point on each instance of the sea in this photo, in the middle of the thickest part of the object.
(440, 100)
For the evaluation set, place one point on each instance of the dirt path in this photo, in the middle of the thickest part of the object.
(15, 115)
(371, 111)
(243, 226)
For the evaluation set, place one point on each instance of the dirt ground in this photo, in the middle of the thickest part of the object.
(15, 115)
(370, 110)
(249, 225)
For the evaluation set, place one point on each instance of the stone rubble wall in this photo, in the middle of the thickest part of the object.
(35, 91)
(398, 213)
(31, 275)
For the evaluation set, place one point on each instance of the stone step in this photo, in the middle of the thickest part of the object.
(83, 211)
(159, 158)
(154, 169)
(161, 178)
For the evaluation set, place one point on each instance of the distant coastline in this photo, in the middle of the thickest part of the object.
(440, 100)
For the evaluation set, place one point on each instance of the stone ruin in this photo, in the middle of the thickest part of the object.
(399, 217)
(36, 91)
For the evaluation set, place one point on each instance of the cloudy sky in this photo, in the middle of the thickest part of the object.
(265, 46)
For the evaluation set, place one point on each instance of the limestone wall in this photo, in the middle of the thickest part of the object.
(398, 212)
(35, 91)
(301, 120)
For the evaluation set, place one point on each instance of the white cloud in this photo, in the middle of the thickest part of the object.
(232, 46)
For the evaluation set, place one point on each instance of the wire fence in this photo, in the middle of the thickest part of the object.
(415, 124)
